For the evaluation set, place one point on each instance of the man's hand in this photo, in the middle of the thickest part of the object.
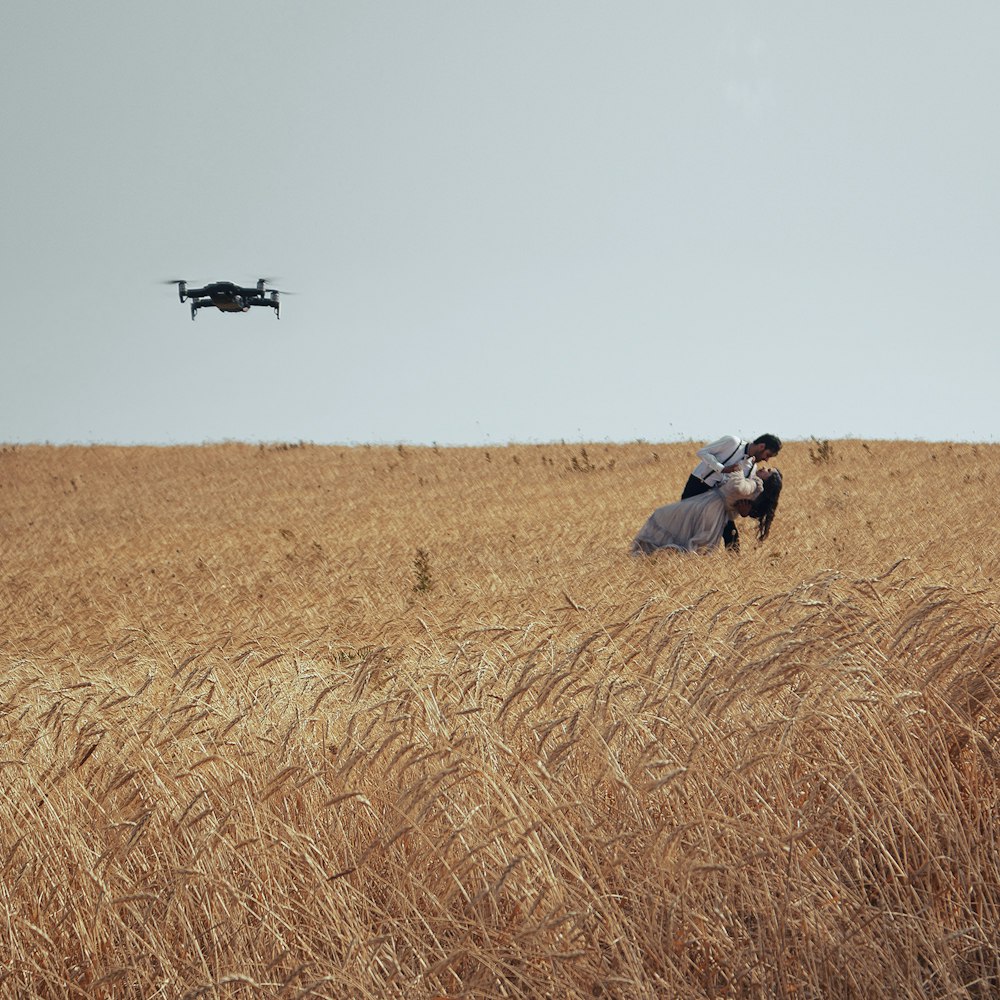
(730, 468)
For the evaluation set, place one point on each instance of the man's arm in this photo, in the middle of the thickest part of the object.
(713, 454)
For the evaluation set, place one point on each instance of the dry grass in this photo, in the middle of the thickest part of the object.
(401, 722)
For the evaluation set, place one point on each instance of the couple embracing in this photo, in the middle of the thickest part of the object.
(724, 485)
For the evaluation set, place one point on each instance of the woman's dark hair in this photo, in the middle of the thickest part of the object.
(770, 441)
(765, 506)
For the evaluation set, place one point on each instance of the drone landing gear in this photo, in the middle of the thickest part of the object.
(194, 310)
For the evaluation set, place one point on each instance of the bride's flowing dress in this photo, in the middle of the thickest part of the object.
(695, 524)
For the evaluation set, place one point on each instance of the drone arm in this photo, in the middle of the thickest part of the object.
(267, 300)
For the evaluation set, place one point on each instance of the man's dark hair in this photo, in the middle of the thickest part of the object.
(771, 442)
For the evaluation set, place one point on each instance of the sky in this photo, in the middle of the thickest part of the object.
(516, 221)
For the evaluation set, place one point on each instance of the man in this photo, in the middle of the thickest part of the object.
(729, 454)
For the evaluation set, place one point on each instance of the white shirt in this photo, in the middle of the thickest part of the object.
(718, 455)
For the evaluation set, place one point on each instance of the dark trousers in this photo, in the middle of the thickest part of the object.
(730, 536)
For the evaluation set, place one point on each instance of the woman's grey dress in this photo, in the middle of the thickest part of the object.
(695, 524)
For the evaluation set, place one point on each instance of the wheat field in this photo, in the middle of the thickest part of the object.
(369, 722)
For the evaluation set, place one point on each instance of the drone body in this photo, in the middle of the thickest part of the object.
(229, 297)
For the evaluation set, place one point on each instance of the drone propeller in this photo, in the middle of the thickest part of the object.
(181, 286)
(268, 282)
(271, 291)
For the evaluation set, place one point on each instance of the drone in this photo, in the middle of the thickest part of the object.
(229, 297)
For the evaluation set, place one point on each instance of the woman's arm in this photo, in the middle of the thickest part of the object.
(736, 486)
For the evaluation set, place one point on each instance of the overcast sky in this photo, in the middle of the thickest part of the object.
(504, 221)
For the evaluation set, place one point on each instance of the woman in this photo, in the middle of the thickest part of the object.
(695, 524)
